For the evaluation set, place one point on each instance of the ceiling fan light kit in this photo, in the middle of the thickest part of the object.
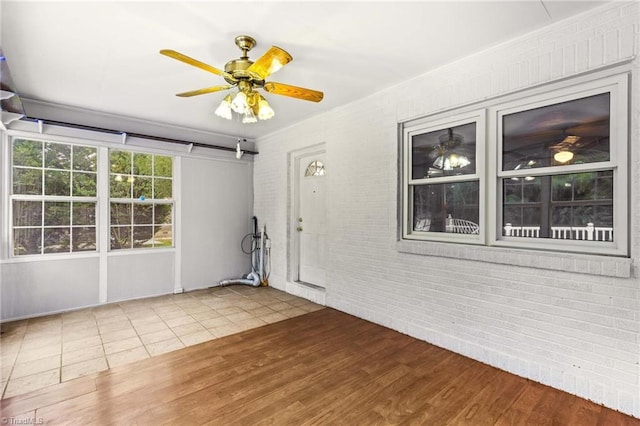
(248, 76)
(447, 158)
(563, 156)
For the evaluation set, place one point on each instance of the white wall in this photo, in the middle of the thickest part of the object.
(214, 200)
(577, 331)
(135, 275)
(36, 287)
(217, 200)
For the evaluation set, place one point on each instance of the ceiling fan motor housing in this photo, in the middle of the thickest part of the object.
(238, 67)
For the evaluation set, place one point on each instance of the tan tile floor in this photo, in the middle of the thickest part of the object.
(44, 351)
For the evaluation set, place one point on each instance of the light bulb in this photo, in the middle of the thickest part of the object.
(240, 104)
(563, 156)
(265, 111)
(249, 117)
(224, 110)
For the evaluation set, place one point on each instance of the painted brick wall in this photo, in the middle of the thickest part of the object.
(573, 331)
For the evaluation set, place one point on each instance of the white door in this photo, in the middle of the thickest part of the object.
(311, 220)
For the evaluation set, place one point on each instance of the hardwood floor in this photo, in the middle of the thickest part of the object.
(325, 367)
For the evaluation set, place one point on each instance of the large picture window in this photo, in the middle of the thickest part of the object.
(443, 195)
(556, 174)
(53, 197)
(141, 200)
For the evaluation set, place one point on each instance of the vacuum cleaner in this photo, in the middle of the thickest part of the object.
(259, 251)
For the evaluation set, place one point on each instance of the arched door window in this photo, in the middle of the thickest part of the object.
(315, 168)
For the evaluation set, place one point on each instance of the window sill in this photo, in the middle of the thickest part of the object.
(140, 250)
(50, 257)
(607, 266)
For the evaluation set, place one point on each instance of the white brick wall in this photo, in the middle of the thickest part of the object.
(577, 332)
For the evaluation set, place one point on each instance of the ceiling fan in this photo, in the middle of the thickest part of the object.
(247, 76)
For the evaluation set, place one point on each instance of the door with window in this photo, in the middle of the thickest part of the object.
(310, 226)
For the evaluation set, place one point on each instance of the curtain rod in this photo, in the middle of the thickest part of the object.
(135, 135)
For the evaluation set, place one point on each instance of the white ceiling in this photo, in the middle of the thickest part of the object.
(103, 56)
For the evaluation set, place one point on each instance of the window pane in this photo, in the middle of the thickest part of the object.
(142, 164)
(57, 182)
(85, 158)
(142, 214)
(120, 162)
(142, 187)
(27, 213)
(57, 156)
(604, 186)
(578, 128)
(163, 166)
(162, 236)
(447, 207)
(56, 240)
(27, 181)
(84, 184)
(84, 239)
(315, 168)
(142, 236)
(162, 188)
(121, 214)
(120, 237)
(162, 213)
(567, 206)
(27, 153)
(120, 186)
(84, 213)
(445, 152)
(27, 241)
(57, 213)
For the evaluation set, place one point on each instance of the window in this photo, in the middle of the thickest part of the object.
(141, 200)
(556, 172)
(561, 169)
(315, 168)
(443, 195)
(53, 197)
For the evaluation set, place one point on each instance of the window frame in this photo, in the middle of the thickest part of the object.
(434, 124)
(43, 198)
(617, 87)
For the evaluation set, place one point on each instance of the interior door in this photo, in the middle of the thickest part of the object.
(311, 220)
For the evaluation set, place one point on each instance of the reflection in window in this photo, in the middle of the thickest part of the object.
(450, 207)
(445, 152)
(573, 132)
(576, 206)
(53, 197)
(315, 168)
(442, 202)
(141, 209)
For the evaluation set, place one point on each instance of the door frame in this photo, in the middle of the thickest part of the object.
(294, 163)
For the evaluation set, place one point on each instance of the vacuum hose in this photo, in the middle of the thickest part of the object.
(252, 279)
(257, 277)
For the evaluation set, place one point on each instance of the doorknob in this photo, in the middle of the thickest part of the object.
(299, 228)
(299, 219)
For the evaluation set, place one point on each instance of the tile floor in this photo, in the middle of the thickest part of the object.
(44, 351)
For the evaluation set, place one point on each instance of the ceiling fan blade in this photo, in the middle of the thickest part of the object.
(293, 91)
(203, 91)
(188, 60)
(274, 59)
